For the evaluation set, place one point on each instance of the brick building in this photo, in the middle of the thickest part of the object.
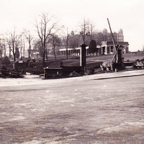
(105, 47)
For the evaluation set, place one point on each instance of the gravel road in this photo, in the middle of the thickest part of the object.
(72, 111)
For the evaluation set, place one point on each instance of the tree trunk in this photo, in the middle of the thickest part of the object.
(14, 57)
(4, 51)
(13, 49)
(67, 48)
(9, 51)
(44, 58)
(46, 54)
(29, 50)
(54, 53)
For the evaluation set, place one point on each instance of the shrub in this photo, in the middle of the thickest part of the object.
(6, 60)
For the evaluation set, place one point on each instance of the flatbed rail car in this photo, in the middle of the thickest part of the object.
(52, 72)
(62, 71)
(69, 69)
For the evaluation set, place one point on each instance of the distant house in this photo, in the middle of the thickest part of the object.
(107, 47)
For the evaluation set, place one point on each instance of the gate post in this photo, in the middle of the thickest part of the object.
(83, 56)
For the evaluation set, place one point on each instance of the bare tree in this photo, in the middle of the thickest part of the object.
(14, 42)
(92, 31)
(65, 40)
(84, 30)
(37, 47)
(87, 31)
(67, 44)
(1, 51)
(2, 47)
(45, 28)
(55, 41)
(74, 41)
(9, 45)
(29, 39)
(143, 48)
(22, 46)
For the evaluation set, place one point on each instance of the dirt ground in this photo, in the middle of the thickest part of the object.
(82, 110)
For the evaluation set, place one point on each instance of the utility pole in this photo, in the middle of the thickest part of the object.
(83, 50)
(67, 44)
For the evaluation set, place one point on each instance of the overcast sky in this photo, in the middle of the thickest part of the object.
(123, 14)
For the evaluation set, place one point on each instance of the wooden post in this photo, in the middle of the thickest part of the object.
(83, 56)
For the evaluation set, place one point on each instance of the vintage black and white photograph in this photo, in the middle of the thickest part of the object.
(71, 72)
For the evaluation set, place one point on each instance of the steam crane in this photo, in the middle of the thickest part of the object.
(117, 61)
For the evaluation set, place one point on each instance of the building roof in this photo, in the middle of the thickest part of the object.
(121, 43)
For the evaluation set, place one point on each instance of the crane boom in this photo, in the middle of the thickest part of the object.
(114, 45)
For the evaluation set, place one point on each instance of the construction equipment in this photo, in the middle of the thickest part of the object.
(138, 63)
(117, 61)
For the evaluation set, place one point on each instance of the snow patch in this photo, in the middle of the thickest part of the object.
(123, 127)
(67, 101)
(17, 118)
(41, 142)
(38, 109)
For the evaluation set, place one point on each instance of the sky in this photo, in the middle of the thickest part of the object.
(122, 14)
